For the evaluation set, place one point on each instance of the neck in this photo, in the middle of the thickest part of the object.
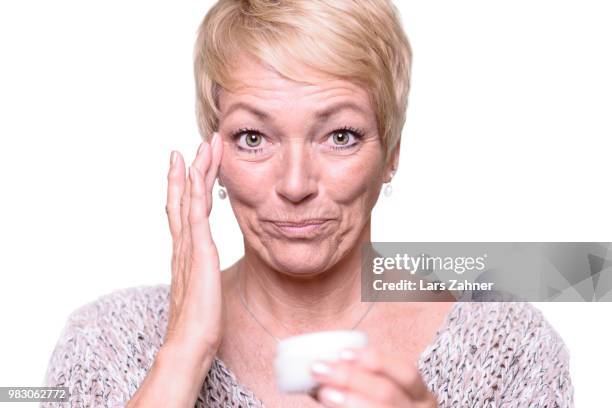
(288, 305)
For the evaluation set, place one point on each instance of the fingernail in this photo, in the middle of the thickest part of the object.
(172, 158)
(320, 368)
(201, 148)
(332, 395)
(214, 139)
(348, 355)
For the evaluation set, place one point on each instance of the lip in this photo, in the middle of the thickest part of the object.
(300, 223)
(308, 228)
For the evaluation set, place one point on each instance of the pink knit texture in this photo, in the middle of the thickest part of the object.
(501, 355)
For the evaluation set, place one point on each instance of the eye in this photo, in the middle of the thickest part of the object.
(345, 138)
(249, 140)
(253, 139)
(341, 137)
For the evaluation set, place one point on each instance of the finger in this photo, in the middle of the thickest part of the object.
(205, 259)
(202, 162)
(185, 196)
(203, 158)
(360, 381)
(178, 263)
(176, 183)
(213, 171)
(336, 397)
(198, 160)
(198, 218)
(401, 371)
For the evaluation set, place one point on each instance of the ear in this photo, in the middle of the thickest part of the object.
(392, 163)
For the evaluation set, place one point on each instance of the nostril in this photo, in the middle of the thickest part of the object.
(296, 195)
(296, 186)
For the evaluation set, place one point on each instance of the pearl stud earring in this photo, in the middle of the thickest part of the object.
(388, 190)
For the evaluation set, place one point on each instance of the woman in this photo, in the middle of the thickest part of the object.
(301, 105)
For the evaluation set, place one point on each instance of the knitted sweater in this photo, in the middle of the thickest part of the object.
(484, 355)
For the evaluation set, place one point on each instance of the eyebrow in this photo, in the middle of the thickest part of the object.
(321, 114)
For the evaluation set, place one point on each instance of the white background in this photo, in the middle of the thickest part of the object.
(507, 139)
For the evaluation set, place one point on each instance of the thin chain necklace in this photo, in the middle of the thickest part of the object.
(243, 301)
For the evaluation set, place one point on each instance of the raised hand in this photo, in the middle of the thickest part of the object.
(195, 311)
(195, 295)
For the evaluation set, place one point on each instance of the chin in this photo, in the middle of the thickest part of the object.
(304, 258)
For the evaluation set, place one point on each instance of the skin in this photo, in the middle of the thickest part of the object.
(296, 172)
(294, 168)
(298, 166)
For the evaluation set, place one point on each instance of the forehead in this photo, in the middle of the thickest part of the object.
(258, 83)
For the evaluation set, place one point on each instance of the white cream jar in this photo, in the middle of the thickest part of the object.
(295, 355)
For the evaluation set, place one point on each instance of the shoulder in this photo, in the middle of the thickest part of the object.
(504, 316)
(134, 313)
(520, 327)
(494, 350)
(486, 321)
(138, 304)
(107, 345)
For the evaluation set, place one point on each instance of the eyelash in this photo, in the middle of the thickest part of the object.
(236, 135)
(358, 133)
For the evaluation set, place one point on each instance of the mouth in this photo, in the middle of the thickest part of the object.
(303, 229)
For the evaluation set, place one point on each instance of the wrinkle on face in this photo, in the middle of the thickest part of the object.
(298, 175)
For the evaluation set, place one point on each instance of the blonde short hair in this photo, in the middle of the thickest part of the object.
(358, 40)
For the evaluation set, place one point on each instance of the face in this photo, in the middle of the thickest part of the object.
(302, 165)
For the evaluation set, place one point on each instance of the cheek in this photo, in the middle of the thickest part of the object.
(351, 181)
(354, 180)
(246, 182)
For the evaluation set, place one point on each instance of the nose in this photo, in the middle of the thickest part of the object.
(296, 173)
